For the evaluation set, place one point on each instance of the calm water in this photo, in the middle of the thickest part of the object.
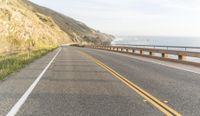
(164, 41)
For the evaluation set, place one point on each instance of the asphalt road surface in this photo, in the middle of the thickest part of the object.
(75, 85)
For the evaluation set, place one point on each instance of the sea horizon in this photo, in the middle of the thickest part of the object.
(158, 40)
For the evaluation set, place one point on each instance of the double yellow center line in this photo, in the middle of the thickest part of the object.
(154, 101)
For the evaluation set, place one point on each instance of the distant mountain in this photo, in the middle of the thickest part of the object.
(25, 25)
(78, 31)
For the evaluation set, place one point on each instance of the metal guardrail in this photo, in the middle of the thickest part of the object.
(160, 46)
(150, 51)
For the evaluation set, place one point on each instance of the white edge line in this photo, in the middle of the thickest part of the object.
(22, 100)
(175, 67)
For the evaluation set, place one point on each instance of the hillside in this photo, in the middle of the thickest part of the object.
(27, 26)
(23, 29)
(78, 31)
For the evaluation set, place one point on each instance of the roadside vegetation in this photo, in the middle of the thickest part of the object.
(15, 62)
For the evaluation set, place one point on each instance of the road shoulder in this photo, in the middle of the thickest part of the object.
(14, 86)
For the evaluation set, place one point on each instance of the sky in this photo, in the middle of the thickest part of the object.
(133, 17)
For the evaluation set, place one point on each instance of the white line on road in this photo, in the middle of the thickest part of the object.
(170, 66)
(155, 62)
(22, 100)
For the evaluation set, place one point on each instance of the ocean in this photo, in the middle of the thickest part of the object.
(155, 40)
(161, 41)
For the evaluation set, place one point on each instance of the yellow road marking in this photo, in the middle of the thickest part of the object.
(154, 101)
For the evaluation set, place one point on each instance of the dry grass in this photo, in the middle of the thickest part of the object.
(12, 63)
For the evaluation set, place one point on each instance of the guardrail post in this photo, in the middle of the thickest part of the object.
(126, 50)
(181, 57)
(133, 51)
(141, 51)
(151, 53)
(164, 55)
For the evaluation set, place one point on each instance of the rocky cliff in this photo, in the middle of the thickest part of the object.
(78, 31)
(27, 26)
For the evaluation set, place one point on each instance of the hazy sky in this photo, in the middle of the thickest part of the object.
(133, 17)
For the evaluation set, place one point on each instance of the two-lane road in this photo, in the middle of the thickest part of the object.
(178, 88)
(79, 83)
